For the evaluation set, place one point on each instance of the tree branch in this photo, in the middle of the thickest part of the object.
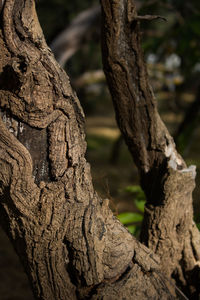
(168, 226)
(149, 18)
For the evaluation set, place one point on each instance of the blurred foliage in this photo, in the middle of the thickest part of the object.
(180, 34)
(185, 136)
(198, 226)
(95, 142)
(133, 220)
(175, 44)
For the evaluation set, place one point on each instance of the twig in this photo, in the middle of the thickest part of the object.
(149, 18)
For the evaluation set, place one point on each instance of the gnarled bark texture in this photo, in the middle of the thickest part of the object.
(69, 242)
(168, 227)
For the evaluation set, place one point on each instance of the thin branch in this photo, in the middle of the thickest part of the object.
(149, 18)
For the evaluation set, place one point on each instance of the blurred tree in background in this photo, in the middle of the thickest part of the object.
(54, 24)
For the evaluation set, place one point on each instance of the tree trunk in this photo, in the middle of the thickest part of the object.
(69, 242)
(168, 227)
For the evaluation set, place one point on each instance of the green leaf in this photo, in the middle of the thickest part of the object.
(129, 217)
(133, 189)
(140, 204)
(137, 190)
(132, 229)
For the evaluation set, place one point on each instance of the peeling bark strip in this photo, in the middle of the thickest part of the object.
(71, 245)
(168, 227)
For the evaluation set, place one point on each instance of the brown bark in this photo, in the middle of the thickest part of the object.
(168, 227)
(71, 39)
(69, 242)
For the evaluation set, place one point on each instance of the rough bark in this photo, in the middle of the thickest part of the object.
(69, 242)
(69, 41)
(168, 227)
